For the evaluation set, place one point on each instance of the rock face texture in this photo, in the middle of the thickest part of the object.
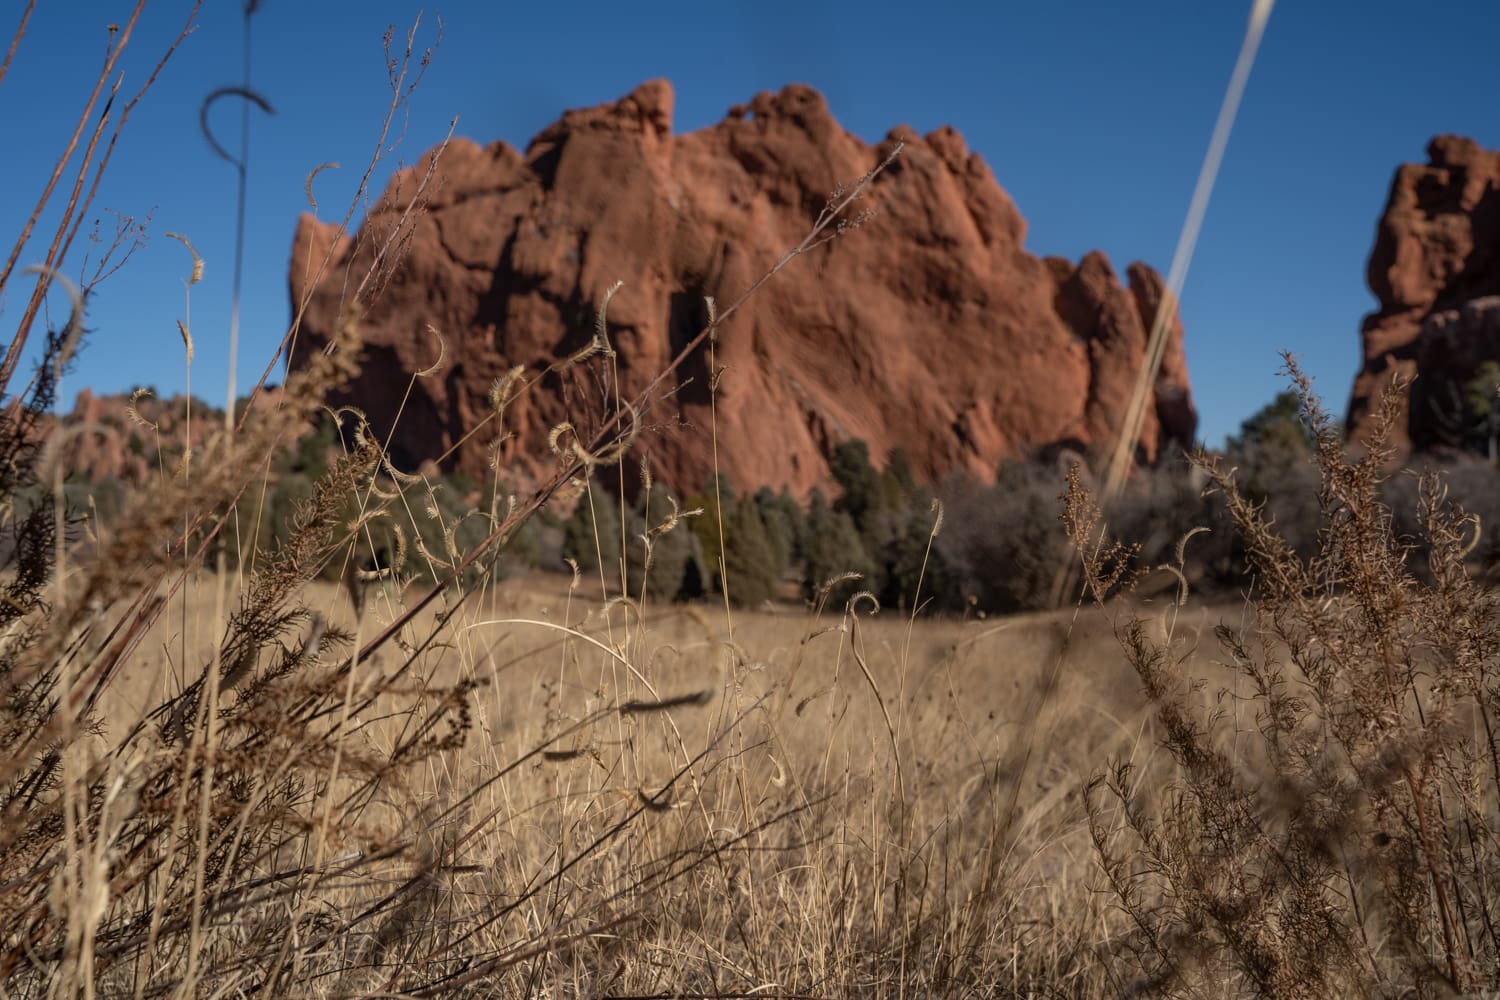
(1434, 269)
(927, 328)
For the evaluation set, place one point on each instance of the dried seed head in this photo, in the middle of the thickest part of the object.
(436, 366)
(601, 330)
(506, 388)
(197, 274)
(311, 201)
(187, 340)
(132, 408)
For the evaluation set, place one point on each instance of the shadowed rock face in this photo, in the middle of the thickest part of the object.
(928, 328)
(1434, 270)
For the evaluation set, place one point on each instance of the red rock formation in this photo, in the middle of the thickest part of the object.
(929, 328)
(1436, 257)
(106, 443)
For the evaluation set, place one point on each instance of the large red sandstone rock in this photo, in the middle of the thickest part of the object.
(1435, 265)
(930, 328)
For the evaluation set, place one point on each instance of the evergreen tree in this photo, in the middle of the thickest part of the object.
(779, 514)
(584, 541)
(898, 470)
(1277, 425)
(714, 520)
(833, 548)
(856, 477)
(750, 562)
(1483, 406)
(907, 561)
(675, 569)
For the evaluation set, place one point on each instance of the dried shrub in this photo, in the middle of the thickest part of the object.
(1344, 843)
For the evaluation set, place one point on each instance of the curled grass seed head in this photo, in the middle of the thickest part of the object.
(402, 478)
(835, 580)
(584, 455)
(208, 102)
(601, 328)
(1182, 542)
(671, 520)
(556, 434)
(308, 187)
(937, 521)
(450, 532)
(197, 274)
(577, 573)
(436, 366)
(75, 313)
(864, 597)
(594, 346)
(429, 555)
(780, 778)
(398, 559)
(132, 408)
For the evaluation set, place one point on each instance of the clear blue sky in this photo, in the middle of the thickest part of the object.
(1093, 115)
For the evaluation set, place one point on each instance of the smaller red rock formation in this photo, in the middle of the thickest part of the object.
(1436, 260)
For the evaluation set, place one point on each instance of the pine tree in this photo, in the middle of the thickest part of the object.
(750, 563)
(584, 541)
(856, 477)
(676, 568)
(779, 514)
(833, 549)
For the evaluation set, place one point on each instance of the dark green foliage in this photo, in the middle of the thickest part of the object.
(898, 473)
(785, 525)
(311, 455)
(1482, 410)
(712, 527)
(856, 478)
(833, 549)
(663, 555)
(592, 532)
(750, 561)
(1277, 424)
(907, 563)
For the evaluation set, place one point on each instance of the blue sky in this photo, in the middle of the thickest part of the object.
(1093, 115)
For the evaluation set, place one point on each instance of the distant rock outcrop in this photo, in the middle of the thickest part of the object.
(930, 329)
(1435, 270)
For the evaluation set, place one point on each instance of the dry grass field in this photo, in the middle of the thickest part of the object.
(833, 805)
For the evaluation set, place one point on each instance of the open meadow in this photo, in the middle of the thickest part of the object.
(773, 802)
